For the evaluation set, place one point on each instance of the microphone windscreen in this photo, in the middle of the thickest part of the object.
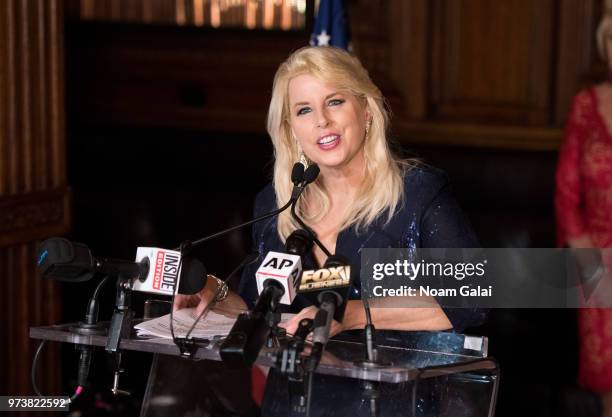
(193, 276)
(297, 173)
(299, 242)
(336, 260)
(311, 174)
(60, 259)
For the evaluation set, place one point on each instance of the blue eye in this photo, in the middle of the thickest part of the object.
(303, 110)
(335, 102)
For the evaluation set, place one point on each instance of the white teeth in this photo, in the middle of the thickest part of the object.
(327, 139)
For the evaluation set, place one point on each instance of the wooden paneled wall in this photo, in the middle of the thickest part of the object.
(160, 76)
(479, 73)
(461, 72)
(491, 60)
(34, 199)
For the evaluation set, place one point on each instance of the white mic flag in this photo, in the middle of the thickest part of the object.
(164, 271)
(284, 268)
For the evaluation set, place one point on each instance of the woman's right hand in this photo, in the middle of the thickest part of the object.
(231, 306)
(198, 300)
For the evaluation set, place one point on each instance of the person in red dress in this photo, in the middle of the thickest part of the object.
(583, 203)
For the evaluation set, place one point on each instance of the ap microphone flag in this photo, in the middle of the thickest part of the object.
(331, 25)
(283, 268)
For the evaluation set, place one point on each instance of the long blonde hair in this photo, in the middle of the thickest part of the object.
(382, 188)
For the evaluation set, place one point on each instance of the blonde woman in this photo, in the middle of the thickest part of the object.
(326, 110)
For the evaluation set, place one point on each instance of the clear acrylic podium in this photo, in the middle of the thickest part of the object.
(424, 374)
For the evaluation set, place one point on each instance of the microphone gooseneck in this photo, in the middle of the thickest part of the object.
(310, 175)
(297, 177)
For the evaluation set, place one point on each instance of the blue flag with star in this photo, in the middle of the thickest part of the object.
(331, 25)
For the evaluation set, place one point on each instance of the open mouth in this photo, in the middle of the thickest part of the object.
(328, 141)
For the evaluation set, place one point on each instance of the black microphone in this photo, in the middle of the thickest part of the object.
(63, 260)
(277, 279)
(285, 268)
(297, 174)
(299, 242)
(335, 276)
(311, 174)
(328, 288)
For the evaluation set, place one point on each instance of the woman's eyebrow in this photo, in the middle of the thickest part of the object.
(302, 103)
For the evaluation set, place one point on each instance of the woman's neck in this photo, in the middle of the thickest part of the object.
(342, 183)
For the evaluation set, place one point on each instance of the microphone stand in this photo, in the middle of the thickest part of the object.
(371, 351)
(252, 329)
(121, 321)
(90, 326)
(370, 388)
(297, 368)
(329, 301)
(120, 327)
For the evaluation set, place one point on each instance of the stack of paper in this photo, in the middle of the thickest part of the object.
(211, 325)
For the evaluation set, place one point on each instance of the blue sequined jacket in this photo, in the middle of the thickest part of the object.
(429, 217)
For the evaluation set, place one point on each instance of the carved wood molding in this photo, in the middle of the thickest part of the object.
(33, 216)
(479, 136)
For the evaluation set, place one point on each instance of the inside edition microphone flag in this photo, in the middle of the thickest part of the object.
(331, 25)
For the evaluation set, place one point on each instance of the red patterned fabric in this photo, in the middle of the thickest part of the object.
(583, 204)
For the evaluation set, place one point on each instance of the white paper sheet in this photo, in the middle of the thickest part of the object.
(213, 324)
